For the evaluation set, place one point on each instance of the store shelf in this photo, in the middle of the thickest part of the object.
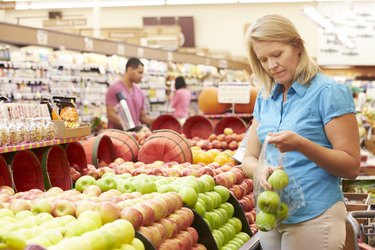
(24, 35)
(20, 147)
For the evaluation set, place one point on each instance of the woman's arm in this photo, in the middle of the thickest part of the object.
(342, 161)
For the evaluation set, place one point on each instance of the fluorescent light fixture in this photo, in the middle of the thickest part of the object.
(346, 41)
(180, 2)
(327, 25)
(274, 1)
(318, 18)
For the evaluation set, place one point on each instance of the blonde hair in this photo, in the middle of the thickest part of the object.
(276, 28)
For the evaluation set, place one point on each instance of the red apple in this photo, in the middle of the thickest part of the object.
(133, 215)
(109, 211)
(147, 212)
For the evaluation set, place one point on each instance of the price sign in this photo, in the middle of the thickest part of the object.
(121, 49)
(234, 92)
(42, 37)
(89, 44)
(140, 52)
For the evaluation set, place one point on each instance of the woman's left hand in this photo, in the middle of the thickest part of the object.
(285, 141)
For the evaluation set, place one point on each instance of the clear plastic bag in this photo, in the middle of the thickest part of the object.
(284, 198)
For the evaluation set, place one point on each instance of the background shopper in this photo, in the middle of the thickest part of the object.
(180, 99)
(134, 96)
(311, 119)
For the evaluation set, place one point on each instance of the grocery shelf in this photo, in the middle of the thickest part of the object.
(24, 35)
(20, 147)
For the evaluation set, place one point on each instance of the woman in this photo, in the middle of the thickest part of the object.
(180, 101)
(311, 119)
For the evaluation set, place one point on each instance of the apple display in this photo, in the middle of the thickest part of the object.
(133, 215)
(125, 186)
(268, 201)
(106, 183)
(41, 206)
(92, 190)
(145, 186)
(278, 179)
(19, 205)
(92, 215)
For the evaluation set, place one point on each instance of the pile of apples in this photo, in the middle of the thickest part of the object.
(54, 219)
(227, 140)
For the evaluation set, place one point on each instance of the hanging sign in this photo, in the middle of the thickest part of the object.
(42, 37)
(234, 92)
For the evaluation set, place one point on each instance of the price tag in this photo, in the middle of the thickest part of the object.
(121, 49)
(42, 37)
(234, 92)
(140, 52)
(89, 44)
(169, 56)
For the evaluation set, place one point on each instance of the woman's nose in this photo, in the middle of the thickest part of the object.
(272, 64)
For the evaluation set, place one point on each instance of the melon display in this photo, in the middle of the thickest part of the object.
(208, 102)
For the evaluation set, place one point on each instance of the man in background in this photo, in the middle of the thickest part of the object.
(134, 96)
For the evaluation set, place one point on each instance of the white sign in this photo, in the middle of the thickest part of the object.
(121, 49)
(89, 44)
(42, 37)
(234, 92)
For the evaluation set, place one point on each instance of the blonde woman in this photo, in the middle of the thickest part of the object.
(311, 119)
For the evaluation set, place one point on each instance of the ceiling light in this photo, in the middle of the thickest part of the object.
(274, 1)
(178, 2)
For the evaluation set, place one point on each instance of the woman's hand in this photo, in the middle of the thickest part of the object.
(263, 178)
(285, 141)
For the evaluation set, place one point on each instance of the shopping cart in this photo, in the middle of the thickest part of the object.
(359, 232)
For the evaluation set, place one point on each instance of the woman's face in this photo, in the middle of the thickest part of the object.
(278, 59)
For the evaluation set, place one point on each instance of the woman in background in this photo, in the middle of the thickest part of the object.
(180, 100)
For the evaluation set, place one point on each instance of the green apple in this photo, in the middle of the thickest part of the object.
(265, 221)
(189, 196)
(223, 213)
(210, 226)
(206, 200)
(126, 229)
(229, 208)
(200, 208)
(92, 215)
(210, 180)
(282, 213)
(244, 236)
(96, 240)
(127, 247)
(237, 224)
(52, 235)
(166, 188)
(223, 192)
(20, 215)
(125, 186)
(215, 197)
(218, 237)
(6, 212)
(278, 179)
(225, 233)
(106, 183)
(230, 229)
(83, 182)
(268, 201)
(235, 243)
(39, 240)
(145, 185)
(41, 206)
(138, 244)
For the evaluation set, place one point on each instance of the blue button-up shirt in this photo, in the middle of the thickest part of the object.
(306, 111)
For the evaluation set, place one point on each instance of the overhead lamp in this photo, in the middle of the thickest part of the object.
(181, 2)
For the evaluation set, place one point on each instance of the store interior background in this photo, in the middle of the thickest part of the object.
(221, 26)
